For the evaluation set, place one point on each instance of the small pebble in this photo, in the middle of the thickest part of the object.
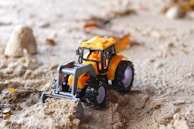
(27, 74)
(169, 44)
(3, 65)
(179, 102)
(190, 14)
(158, 65)
(176, 116)
(184, 51)
(156, 35)
(6, 110)
(44, 24)
(174, 13)
(150, 60)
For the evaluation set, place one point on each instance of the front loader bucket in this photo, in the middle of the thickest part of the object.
(79, 108)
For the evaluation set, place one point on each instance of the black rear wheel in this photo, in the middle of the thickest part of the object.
(124, 77)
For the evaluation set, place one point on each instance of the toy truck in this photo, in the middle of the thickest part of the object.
(98, 66)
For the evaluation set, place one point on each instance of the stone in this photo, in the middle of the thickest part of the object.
(21, 39)
(175, 12)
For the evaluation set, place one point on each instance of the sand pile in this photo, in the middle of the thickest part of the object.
(55, 114)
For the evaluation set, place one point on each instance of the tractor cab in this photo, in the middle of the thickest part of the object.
(97, 51)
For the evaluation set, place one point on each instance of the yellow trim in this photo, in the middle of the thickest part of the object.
(98, 43)
(113, 66)
(84, 77)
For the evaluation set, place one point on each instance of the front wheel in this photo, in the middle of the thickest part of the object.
(95, 95)
(124, 77)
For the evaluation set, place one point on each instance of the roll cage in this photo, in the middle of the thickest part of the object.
(103, 59)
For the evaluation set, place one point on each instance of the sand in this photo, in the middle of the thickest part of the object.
(162, 92)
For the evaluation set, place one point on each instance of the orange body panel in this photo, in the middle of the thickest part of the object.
(81, 80)
(110, 74)
(84, 77)
(113, 66)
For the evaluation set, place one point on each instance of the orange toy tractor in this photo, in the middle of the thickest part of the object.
(98, 66)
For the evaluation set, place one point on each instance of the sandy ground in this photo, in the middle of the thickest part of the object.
(162, 96)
